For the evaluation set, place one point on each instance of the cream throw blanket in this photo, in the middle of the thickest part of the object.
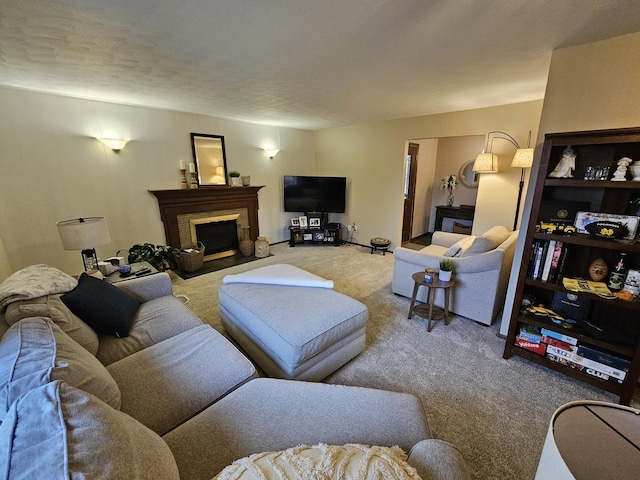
(280, 274)
(323, 462)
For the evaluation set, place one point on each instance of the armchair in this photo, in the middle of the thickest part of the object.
(481, 279)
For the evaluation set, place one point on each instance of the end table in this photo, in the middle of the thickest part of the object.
(427, 310)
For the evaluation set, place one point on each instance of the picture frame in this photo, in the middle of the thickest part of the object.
(210, 159)
(295, 222)
(303, 221)
(314, 222)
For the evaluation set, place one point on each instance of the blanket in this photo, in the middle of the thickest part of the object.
(279, 274)
(34, 281)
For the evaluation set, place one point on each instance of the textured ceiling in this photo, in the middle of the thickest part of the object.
(305, 64)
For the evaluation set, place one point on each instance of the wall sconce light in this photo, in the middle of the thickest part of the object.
(114, 144)
(84, 234)
(271, 152)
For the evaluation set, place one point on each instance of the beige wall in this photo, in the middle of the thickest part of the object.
(453, 152)
(590, 87)
(54, 169)
(372, 157)
(5, 269)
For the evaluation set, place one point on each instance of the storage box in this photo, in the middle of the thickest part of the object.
(559, 336)
(604, 358)
(539, 348)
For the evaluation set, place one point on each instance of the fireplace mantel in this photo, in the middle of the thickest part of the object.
(184, 201)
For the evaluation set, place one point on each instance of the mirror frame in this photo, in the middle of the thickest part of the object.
(466, 172)
(207, 166)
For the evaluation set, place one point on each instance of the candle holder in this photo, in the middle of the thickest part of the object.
(183, 182)
(194, 181)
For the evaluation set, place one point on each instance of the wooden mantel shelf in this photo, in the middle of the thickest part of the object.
(184, 201)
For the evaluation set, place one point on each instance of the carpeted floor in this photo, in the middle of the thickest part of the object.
(495, 411)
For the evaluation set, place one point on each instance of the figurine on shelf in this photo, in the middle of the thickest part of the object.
(566, 165)
(621, 172)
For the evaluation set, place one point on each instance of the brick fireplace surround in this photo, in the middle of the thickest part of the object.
(177, 205)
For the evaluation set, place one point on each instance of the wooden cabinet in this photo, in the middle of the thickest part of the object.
(330, 235)
(618, 319)
(458, 213)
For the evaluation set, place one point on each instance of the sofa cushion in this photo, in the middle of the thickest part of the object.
(57, 431)
(35, 351)
(105, 308)
(458, 248)
(155, 321)
(323, 461)
(34, 281)
(488, 241)
(52, 307)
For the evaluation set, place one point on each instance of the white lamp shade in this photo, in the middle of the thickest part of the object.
(114, 144)
(523, 158)
(83, 233)
(486, 163)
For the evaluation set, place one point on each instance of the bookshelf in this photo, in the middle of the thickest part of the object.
(616, 337)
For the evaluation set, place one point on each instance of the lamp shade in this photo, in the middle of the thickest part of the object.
(523, 158)
(83, 233)
(272, 152)
(486, 163)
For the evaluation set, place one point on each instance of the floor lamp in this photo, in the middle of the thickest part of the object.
(522, 159)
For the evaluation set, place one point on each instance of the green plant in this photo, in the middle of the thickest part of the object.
(234, 173)
(447, 265)
(157, 255)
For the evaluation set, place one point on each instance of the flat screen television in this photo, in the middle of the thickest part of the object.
(314, 194)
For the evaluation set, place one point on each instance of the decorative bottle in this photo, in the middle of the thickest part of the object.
(616, 277)
(262, 247)
(246, 244)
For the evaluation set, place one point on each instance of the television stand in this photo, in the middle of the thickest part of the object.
(329, 235)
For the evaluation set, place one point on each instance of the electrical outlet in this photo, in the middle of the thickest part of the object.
(355, 227)
(349, 227)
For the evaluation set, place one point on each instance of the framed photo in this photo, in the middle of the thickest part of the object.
(295, 222)
(210, 159)
(303, 222)
(314, 222)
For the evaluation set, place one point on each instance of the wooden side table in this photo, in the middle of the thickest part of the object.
(427, 310)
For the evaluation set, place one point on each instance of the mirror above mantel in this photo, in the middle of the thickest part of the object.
(210, 159)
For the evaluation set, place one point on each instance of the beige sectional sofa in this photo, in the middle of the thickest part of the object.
(481, 272)
(174, 398)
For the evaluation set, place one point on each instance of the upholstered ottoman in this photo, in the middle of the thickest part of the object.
(291, 322)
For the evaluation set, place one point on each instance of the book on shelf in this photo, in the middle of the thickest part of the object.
(555, 260)
(562, 263)
(550, 248)
(539, 246)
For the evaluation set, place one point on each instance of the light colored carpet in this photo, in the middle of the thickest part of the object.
(496, 411)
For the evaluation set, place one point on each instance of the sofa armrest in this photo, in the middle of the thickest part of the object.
(148, 287)
(446, 239)
(438, 460)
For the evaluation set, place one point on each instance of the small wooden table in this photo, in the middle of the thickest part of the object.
(427, 310)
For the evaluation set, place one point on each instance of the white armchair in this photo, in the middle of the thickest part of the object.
(481, 279)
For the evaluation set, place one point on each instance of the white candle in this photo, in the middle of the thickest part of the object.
(192, 168)
(183, 166)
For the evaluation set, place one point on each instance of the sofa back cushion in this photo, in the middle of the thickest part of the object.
(460, 247)
(57, 431)
(35, 351)
(52, 307)
(488, 241)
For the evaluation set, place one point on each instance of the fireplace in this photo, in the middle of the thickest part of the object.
(178, 208)
(219, 235)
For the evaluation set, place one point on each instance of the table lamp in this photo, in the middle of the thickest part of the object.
(84, 234)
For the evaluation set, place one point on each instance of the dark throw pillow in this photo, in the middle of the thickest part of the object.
(105, 308)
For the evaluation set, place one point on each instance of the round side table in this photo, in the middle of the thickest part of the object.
(427, 310)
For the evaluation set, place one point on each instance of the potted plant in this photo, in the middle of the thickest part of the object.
(446, 269)
(234, 175)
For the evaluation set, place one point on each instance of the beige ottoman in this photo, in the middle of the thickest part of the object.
(292, 331)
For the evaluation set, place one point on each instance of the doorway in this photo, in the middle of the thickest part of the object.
(411, 169)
